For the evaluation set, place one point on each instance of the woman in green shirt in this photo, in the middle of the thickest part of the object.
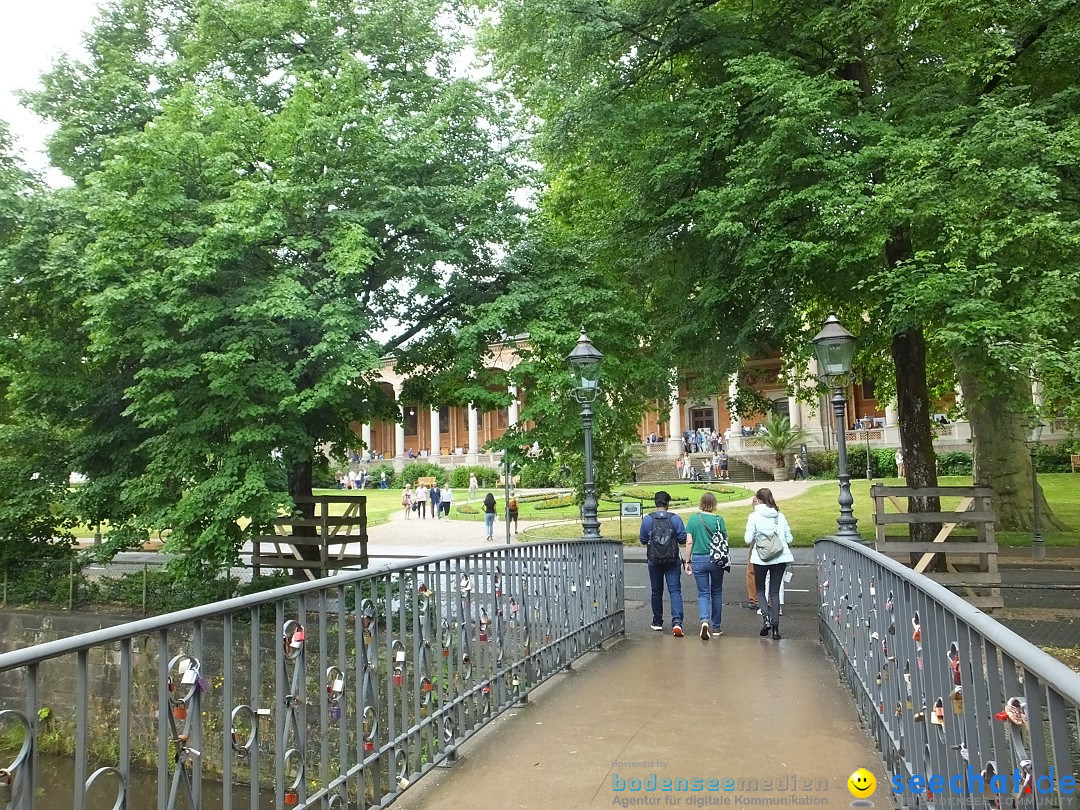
(709, 576)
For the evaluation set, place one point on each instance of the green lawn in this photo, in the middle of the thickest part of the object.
(813, 514)
(534, 508)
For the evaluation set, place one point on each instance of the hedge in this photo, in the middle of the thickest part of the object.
(823, 463)
(422, 469)
(485, 476)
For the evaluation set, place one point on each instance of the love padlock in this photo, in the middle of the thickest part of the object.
(369, 746)
(335, 711)
(292, 798)
(297, 640)
(202, 682)
(957, 698)
(445, 653)
(399, 677)
(483, 636)
(179, 711)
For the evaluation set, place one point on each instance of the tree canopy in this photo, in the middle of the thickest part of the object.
(269, 197)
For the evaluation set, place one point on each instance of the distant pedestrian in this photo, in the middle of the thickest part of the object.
(421, 500)
(407, 500)
(489, 515)
(800, 468)
(722, 457)
(473, 486)
(382, 480)
(512, 511)
(436, 501)
(447, 500)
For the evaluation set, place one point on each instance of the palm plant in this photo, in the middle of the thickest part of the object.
(781, 438)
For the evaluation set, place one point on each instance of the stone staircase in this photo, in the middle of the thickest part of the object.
(663, 469)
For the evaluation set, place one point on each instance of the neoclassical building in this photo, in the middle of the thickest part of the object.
(453, 435)
(448, 434)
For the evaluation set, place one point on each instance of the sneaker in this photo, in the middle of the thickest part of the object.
(764, 629)
(781, 611)
(750, 605)
(705, 631)
(656, 626)
(776, 633)
(676, 631)
(716, 631)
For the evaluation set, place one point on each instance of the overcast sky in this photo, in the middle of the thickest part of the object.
(32, 34)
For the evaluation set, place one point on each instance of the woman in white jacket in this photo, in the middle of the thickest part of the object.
(765, 520)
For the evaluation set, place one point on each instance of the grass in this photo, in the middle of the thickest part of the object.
(813, 513)
(531, 508)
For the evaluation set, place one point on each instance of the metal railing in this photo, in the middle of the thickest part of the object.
(334, 694)
(945, 690)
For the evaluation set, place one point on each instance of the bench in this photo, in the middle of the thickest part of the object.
(1075, 458)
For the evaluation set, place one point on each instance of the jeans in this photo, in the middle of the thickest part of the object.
(672, 572)
(769, 612)
(710, 589)
(489, 518)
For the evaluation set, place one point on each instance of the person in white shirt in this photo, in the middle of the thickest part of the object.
(766, 520)
(420, 499)
(447, 501)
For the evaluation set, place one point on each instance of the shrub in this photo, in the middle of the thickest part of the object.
(485, 476)
(954, 462)
(1055, 458)
(539, 473)
(422, 469)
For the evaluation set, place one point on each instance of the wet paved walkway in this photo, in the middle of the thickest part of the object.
(769, 716)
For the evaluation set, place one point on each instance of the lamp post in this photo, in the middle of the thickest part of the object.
(584, 362)
(834, 347)
(1038, 545)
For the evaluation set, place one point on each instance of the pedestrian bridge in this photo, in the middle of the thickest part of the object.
(524, 676)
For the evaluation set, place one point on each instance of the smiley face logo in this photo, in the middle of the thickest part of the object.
(862, 784)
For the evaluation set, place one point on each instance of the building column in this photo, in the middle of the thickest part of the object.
(733, 391)
(436, 437)
(892, 416)
(675, 416)
(365, 435)
(474, 433)
(399, 433)
(512, 410)
(794, 408)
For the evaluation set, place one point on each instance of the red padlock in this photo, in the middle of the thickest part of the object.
(483, 636)
(445, 653)
(292, 798)
(179, 712)
(369, 746)
(399, 677)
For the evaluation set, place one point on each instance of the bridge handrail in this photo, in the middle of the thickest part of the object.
(338, 692)
(918, 657)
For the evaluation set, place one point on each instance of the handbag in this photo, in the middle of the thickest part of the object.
(769, 545)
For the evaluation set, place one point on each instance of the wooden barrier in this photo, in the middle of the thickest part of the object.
(332, 536)
(975, 509)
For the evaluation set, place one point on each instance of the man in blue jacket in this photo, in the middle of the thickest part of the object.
(663, 534)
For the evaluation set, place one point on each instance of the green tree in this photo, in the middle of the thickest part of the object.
(748, 166)
(283, 194)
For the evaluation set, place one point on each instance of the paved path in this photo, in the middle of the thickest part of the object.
(653, 707)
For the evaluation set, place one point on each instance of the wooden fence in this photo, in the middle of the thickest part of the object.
(974, 512)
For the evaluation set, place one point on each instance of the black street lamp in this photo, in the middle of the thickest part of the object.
(1038, 544)
(584, 362)
(835, 348)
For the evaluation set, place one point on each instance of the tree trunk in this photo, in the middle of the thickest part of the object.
(913, 408)
(916, 438)
(1002, 458)
(300, 485)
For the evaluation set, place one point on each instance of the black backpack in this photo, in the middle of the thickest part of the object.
(719, 552)
(662, 546)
